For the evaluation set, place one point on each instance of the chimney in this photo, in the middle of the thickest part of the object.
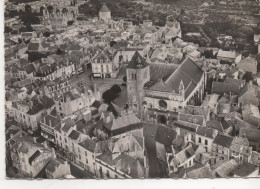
(66, 163)
(45, 144)
(230, 97)
(34, 140)
(54, 153)
(128, 170)
(250, 83)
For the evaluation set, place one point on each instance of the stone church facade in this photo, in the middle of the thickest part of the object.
(159, 99)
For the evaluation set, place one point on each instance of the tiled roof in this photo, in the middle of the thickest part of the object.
(36, 108)
(123, 121)
(130, 166)
(197, 119)
(121, 100)
(223, 140)
(225, 170)
(68, 124)
(89, 144)
(188, 73)
(33, 46)
(244, 170)
(215, 124)
(29, 68)
(206, 132)
(51, 119)
(184, 155)
(226, 54)
(53, 163)
(237, 81)
(74, 135)
(187, 126)
(104, 8)
(251, 134)
(203, 172)
(137, 62)
(165, 135)
(254, 159)
(197, 110)
(105, 56)
(73, 94)
(223, 87)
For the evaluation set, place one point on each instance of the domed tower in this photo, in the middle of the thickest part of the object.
(105, 14)
(138, 74)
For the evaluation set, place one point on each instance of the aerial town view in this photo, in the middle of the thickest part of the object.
(114, 89)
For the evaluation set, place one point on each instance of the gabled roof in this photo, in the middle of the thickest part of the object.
(185, 154)
(74, 135)
(206, 132)
(89, 144)
(223, 140)
(244, 170)
(223, 87)
(188, 73)
(225, 170)
(105, 56)
(161, 71)
(123, 121)
(53, 163)
(192, 127)
(51, 119)
(121, 100)
(165, 135)
(252, 134)
(33, 46)
(137, 62)
(226, 54)
(29, 68)
(197, 119)
(203, 172)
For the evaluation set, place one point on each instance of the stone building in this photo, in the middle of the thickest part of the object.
(158, 91)
(105, 14)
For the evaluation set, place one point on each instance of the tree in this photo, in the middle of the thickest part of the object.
(8, 30)
(70, 22)
(28, 8)
(46, 34)
(64, 10)
(50, 9)
(42, 10)
(125, 78)
(112, 43)
(58, 52)
(115, 89)
(258, 62)
(108, 96)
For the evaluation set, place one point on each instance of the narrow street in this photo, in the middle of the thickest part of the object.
(155, 168)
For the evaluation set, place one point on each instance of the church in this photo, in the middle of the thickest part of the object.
(157, 92)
